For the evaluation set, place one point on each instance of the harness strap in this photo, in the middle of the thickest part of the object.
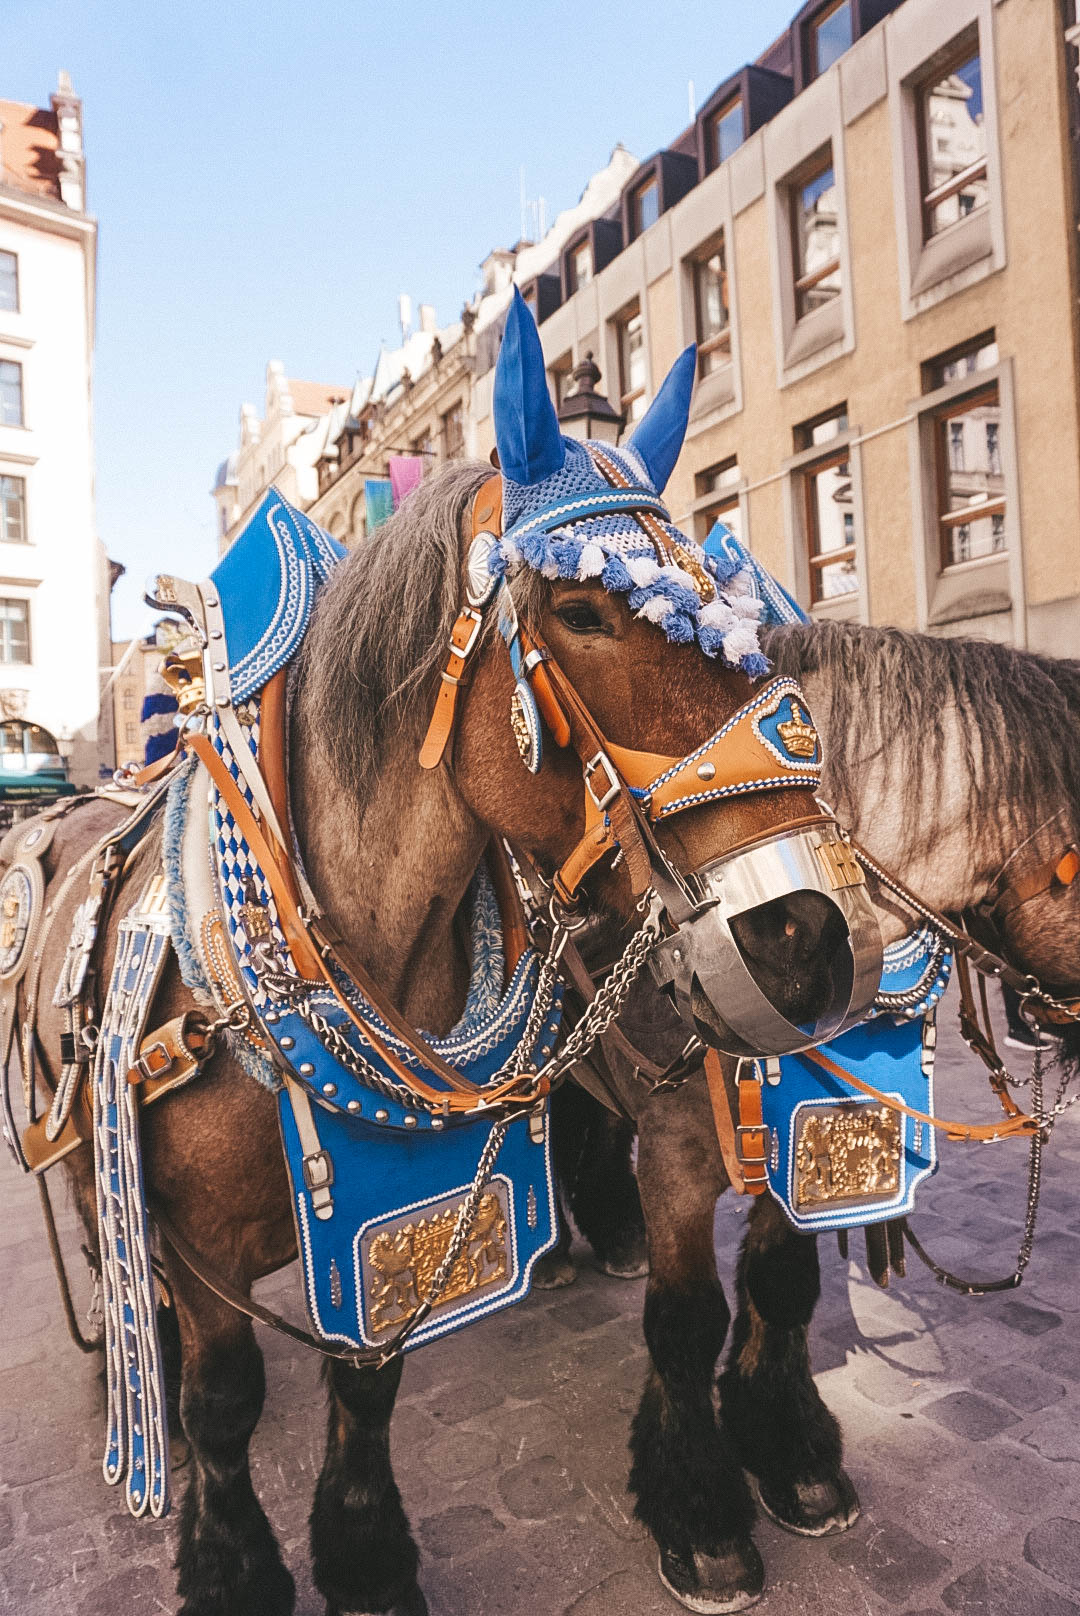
(745, 1146)
(986, 1132)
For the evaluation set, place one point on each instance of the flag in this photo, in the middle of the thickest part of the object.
(405, 473)
(378, 501)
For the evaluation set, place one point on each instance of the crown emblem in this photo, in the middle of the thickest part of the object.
(800, 738)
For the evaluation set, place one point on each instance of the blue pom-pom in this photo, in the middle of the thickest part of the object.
(755, 664)
(615, 578)
(711, 640)
(158, 702)
(497, 562)
(566, 553)
(679, 628)
(534, 550)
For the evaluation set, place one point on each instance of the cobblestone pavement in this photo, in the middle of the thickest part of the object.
(961, 1418)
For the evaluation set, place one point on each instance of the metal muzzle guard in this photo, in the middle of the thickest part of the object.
(704, 952)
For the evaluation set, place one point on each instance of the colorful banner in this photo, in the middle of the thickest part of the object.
(378, 501)
(406, 472)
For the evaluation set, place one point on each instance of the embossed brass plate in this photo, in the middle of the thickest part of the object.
(840, 864)
(703, 584)
(846, 1152)
(798, 734)
(399, 1258)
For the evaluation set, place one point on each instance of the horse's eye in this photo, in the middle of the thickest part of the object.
(580, 618)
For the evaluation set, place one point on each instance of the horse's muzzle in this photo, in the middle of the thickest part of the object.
(782, 949)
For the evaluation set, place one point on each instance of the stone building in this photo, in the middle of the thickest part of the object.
(54, 577)
(871, 233)
(280, 448)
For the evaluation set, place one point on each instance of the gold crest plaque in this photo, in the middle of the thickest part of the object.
(847, 1152)
(399, 1258)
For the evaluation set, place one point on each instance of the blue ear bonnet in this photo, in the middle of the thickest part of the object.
(615, 549)
(562, 517)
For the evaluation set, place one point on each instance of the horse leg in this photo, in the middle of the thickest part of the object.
(770, 1406)
(228, 1561)
(364, 1558)
(604, 1197)
(688, 1484)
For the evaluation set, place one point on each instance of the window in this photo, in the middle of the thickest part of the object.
(829, 36)
(128, 698)
(722, 481)
(980, 353)
(131, 734)
(633, 374)
(970, 485)
(9, 283)
(425, 447)
(829, 511)
(453, 432)
(562, 377)
(11, 393)
(580, 266)
(645, 205)
(13, 510)
(815, 236)
(726, 132)
(952, 142)
(711, 308)
(14, 631)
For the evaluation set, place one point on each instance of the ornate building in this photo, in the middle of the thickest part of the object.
(54, 588)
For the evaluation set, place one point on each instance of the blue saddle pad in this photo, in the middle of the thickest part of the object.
(266, 583)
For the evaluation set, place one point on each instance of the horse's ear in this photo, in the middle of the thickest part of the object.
(658, 436)
(527, 432)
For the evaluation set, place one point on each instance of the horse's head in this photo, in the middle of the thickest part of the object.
(644, 767)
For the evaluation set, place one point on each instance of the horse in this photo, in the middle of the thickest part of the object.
(389, 851)
(955, 763)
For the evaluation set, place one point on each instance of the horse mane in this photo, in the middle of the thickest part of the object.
(382, 623)
(1019, 716)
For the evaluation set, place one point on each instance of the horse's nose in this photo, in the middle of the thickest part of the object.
(792, 946)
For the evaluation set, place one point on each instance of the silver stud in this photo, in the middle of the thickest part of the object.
(382, 1116)
(211, 600)
(410, 1121)
(215, 634)
(306, 1069)
(353, 1105)
(287, 1043)
(223, 701)
(219, 667)
(136, 961)
(437, 1124)
(329, 1089)
(272, 1017)
(706, 770)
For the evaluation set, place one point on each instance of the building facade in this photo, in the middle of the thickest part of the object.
(281, 447)
(54, 577)
(876, 254)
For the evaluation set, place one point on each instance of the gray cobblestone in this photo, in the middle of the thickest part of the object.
(1054, 1547)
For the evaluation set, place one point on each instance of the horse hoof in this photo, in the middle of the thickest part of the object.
(553, 1271)
(627, 1257)
(715, 1583)
(813, 1508)
(624, 1268)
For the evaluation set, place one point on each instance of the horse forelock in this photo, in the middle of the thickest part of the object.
(923, 708)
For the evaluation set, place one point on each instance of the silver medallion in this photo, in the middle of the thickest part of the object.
(17, 892)
(480, 583)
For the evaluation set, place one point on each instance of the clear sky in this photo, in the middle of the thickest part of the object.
(268, 177)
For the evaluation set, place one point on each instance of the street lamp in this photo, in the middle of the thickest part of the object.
(585, 413)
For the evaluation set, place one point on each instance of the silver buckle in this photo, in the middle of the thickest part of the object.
(318, 1171)
(603, 762)
(466, 650)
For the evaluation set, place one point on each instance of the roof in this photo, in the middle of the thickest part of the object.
(316, 398)
(29, 149)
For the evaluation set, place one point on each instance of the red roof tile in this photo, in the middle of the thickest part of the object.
(29, 143)
(315, 398)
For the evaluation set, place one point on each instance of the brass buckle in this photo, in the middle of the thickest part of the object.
(746, 1152)
(143, 1061)
(602, 762)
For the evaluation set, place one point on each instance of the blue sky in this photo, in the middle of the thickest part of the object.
(267, 179)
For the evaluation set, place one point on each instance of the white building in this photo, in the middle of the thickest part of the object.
(281, 448)
(54, 577)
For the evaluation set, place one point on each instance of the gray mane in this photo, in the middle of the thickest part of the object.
(1019, 715)
(382, 622)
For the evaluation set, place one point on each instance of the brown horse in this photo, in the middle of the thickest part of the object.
(956, 764)
(390, 850)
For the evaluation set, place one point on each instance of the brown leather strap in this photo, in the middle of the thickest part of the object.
(745, 1147)
(1060, 872)
(160, 766)
(987, 1132)
(464, 638)
(272, 740)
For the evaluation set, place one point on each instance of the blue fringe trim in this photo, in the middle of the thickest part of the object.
(176, 812)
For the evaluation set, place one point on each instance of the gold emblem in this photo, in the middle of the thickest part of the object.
(9, 925)
(401, 1261)
(847, 1152)
(520, 727)
(183, 673)
(798, 734)
(704, 585)
(840, 864)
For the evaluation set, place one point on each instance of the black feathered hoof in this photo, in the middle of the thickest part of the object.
(627, 1259)
(715, 1583)
(553, 1271)
(813, 1508)
(411, 1604)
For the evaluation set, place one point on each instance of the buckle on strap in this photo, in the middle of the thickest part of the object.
(752, 1143)
(604, 764)
(154, 1061)
(476, 620)
(318, 1171)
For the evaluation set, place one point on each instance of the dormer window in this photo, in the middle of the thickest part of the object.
(828, 36)
(580, 265)
(727, 131)
(645, 205)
